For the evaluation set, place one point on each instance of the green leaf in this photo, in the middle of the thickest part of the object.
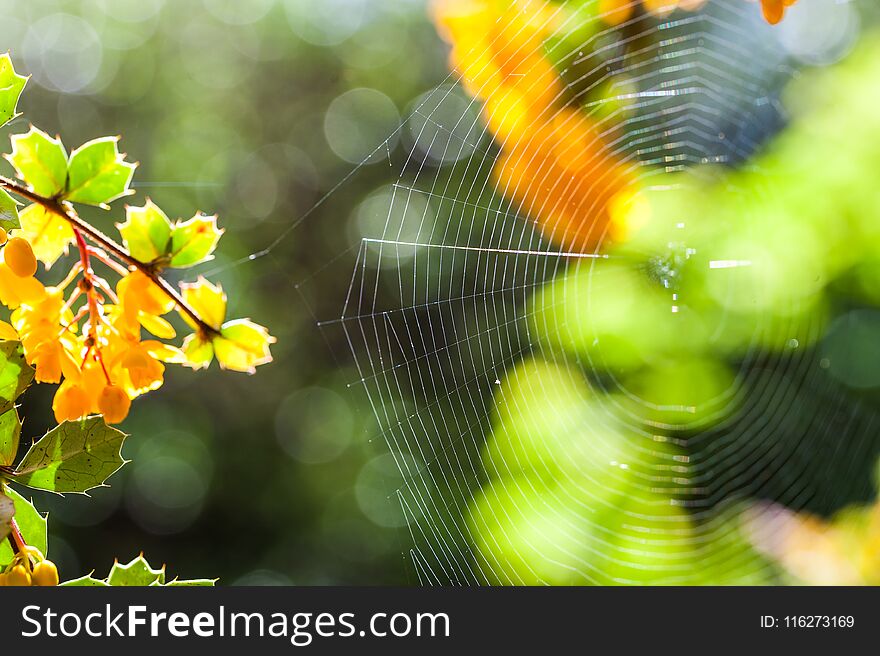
(31, 524)
(98, 173)
(8, 212)
(191, 583)
(11, 85)
(85, 581)
(15, 374)
(73, 457)
(10, 433)
(146, 232)
(7, 512)
(136, 573)
(194, 241)
(40, 161)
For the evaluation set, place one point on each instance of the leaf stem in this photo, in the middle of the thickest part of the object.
(81, 227)
(16, 539)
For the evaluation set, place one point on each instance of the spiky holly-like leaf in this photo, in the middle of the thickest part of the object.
(73, 457)
(146, 232)
(98, 173)
(40, 161)
(191, 583)
(194, 241)
(15, 374)
(11, 86)
(10, 434)
(135, 573)
(87, 581)
(30, 522)
(138, 572)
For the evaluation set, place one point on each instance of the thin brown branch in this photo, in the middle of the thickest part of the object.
(66, 211)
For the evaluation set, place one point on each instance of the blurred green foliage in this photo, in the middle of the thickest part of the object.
(728, 270)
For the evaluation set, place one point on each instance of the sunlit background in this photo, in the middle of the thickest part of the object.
(469, 395)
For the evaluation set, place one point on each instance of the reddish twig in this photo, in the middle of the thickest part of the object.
(66, 211)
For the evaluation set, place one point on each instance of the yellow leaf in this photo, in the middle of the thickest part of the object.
(49, 234)
(197, 352)
(243, 346)
(208, 301)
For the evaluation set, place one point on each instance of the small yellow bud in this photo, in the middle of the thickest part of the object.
(19, 256)
(114, 404)
(45, 573)
(3, 236)
(18, 576)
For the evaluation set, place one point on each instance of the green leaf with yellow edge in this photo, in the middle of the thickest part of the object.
(40, 161)
(10, 434)
(31, 523)
(7, 512)
(50, 235)
(146, 232)
(87, 581)
(15, 374)
(194, 241)
(136, 573)
(73, 457)
(243, 345)
(11, 86)
(8, 212)
(207, 299)
(98, 173)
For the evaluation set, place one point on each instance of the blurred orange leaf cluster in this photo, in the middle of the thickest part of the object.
(553, 159)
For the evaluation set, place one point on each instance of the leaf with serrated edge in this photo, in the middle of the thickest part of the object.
(85, 582)
(15, 374)
(194, 241)
(146, 232)
(40, 161)
(30, 522)
(11, 86)
(7, 512)
(8, 212)
(191, 583)
(10, 433)
(98, 173)
(136, 573)
(73, 457)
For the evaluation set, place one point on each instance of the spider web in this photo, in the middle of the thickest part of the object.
(520, 462)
